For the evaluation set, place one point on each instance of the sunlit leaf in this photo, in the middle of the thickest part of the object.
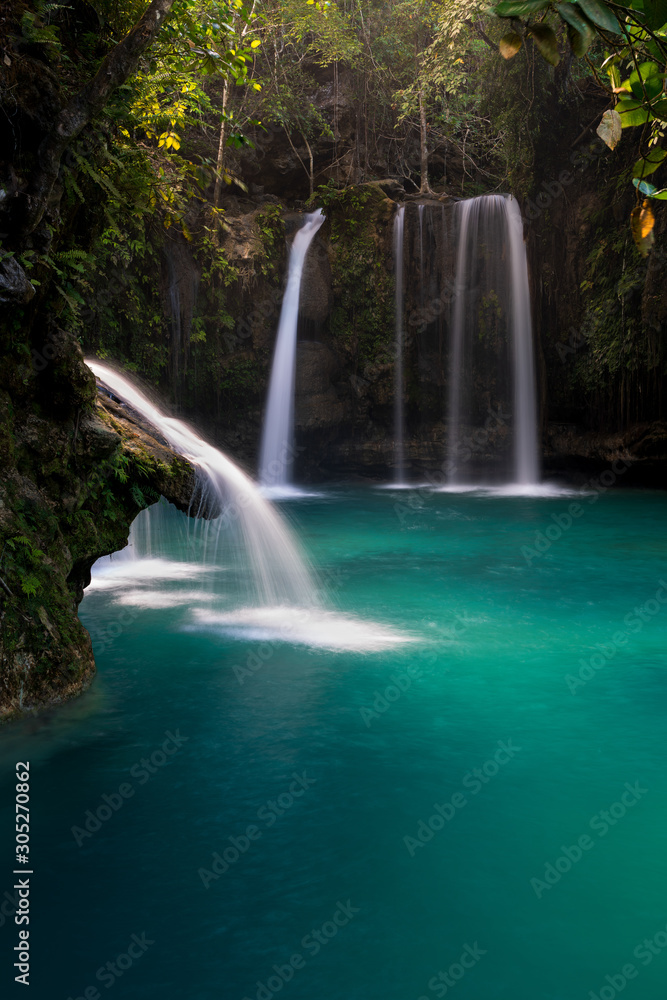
(648, 80)
(255, 44)
(642, 222)
(610, 128)
(632, 113)
(510, 44)
(650, 163)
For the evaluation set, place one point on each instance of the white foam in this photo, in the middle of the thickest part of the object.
(513, 490)
(300, 626)
(286, 492)
(114, 575)
(164, 598)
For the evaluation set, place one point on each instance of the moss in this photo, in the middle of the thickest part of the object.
(362, 271)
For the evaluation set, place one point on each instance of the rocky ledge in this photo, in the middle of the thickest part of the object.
(76, 467)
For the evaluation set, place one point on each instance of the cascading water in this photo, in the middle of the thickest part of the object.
(491, 303)
(282, 604)
(277, 448)
(399, 430)
(526, 459)
(278, 573)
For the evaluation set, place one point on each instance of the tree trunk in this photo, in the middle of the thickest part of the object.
(115, 69)
(221, 150)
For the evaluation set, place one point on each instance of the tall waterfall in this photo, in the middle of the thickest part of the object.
(399, 429)
(277, 448)
(279, 575)
(492, 304)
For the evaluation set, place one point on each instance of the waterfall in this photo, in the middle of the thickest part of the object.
(399, 430)
(526, 460)
(279, 575)
(491, 325)
(277, 448)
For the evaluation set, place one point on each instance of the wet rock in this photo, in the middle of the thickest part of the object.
(15, 289)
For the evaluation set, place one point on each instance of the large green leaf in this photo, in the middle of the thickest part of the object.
(632, 113)
(579, 30)
(656, 13)
(546, 41)
(600, 14)
(648, 79)
(519, 8)
(649, 163)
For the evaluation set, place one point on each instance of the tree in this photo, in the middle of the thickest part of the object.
(634, 38)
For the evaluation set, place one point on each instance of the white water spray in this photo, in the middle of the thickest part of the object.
(277, 448)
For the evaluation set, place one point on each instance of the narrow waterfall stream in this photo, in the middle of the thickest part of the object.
(399, 420)
(277, 447)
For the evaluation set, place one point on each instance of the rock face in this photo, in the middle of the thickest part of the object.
(71, 469)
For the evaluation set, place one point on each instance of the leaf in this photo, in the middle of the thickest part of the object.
(610, 128)
(632, 113)
(600, 14)
(579, 30)
(659, 110)
(256, 44)
(546, 41)
(510, 44)
(649, 163)
(656, 13)
(648, 79)
(519, 8)
(642, 221)
(660, 195)
(580, 42)
(644, 187)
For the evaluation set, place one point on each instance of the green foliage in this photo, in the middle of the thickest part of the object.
(362, 323)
